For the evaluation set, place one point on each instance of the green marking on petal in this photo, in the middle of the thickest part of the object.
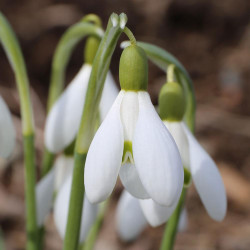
(187, 177)
(127, 153)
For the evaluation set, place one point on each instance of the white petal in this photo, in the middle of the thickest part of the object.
(177, 131)
(129, 114)
(131, 181)
(44, 196)
(130, 221)
(61, 212)
(207, 179)
(63, 168)
(156, 214)
(183, 221)
(156, 156)
(64, 118)
(7, 130)
(110, 92)
(105, 155)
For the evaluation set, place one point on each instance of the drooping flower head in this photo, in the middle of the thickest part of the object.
(64, 118)
(133, 142)
(197, 164)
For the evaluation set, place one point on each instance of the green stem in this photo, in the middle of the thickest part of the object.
(59, 63)
(13, 51)
(62, 54)
(130, 35)
(76, 203)
(172, 225)
(170, 73)
(92, 18)
(86, 131)
(162, 59)
(95, 229)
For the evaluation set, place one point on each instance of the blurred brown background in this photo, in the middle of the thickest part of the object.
(212, 39)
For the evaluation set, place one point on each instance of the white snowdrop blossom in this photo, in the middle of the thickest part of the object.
(50, 184)
(89, 212)
(133, 141)
(64, 117)
(58, 181)
(7, 130)
(204, 172)
(133, 216)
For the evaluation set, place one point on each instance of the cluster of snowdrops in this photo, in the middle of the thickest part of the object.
(95, 132)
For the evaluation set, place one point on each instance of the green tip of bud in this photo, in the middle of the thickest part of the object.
(91, 48)
(133, 69)
(172, 102)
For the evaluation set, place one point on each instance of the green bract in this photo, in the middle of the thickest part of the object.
(133, 69)
(172, 103)
(90, 49)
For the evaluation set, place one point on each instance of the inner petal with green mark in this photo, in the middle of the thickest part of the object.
(127, 156)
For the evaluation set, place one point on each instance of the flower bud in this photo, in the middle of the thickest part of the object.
(172, 103)
(90, 49)
(133, 69)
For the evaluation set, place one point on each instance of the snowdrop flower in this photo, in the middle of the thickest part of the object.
(7, 131)
(58, 180)
(131, 218)
(89, 212)
(197, 164)
(64, 118)
(50, 184)
(133, 142)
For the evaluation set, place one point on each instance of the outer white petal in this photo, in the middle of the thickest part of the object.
(130, 221)
(44, 196)
(104, 157)
(110, 92)
(61, 212)
(156, 214)
(7, 130)
(64, 118)
(131, 181)
(63, 168)
(207, 180)
(177, 131)
(156, 156)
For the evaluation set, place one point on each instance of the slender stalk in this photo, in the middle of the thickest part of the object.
(162, 59)
(170, 73)
(130, 35)
(59, 63)
(86, 131)
(92, 18)
(76, 203)
(13, 51)
(172, 225)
